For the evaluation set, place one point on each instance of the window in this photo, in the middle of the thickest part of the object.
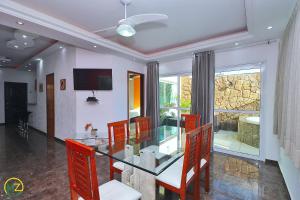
(175, 98)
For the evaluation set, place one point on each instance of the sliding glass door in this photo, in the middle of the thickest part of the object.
(237, 110)
(175, 98)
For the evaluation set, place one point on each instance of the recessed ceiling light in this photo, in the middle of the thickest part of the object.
(25, 43)
(61, 47)
(24, 36)
(269, 27)
(29, 64)
(20, 23)
(236, 43)
(16, 46)
(95, 46)
(26, 66)
(29, 70)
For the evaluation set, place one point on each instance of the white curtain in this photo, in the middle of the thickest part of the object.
(287, 106)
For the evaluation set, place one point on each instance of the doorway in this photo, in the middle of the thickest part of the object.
(135, 92)
(50, 105)
(237, 110)
(15, 95)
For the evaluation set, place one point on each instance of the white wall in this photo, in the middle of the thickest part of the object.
(291, 175)
(61, 63)
(13, 75)
(249, 55)
(112, 105)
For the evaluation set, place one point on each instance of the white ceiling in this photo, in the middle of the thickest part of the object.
(189, 21)
(18, 57)
(192, 25)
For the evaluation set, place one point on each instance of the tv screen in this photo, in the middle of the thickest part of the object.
(92, 79)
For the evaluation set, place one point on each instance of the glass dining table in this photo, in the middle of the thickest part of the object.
(165, 143)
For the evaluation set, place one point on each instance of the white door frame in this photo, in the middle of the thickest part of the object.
(261, 155)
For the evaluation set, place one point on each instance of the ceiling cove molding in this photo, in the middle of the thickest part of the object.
(203, 45)
(24, 13)
(28, 14)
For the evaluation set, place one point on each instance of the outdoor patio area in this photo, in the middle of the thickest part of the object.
(228, 140)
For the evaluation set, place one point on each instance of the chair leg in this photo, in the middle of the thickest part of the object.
(196, 188)
(111, 174)
(207, 178)
(182, 196)
(111, 169)
(74, 195)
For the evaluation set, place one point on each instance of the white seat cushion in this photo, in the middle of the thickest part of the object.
(120, 165)
(172, 175)
(203, 162)
(115, 190)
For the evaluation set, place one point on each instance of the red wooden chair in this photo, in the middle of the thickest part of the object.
(191, 122)
(142, 128)
(184, 171)
(83, 177)
(205, 147)
(118, 132)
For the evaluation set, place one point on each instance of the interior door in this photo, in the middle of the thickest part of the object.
(50, 105)
(135, 92)
(15, 101)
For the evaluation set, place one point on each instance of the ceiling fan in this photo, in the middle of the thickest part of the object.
(126, 26)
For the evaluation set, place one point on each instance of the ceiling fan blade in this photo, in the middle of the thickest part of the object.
(145, 18)
(105, 29)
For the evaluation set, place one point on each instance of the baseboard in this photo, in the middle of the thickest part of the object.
(45, 134)
(38, 131)
(272, 162)
(275, 163)
(59, 140)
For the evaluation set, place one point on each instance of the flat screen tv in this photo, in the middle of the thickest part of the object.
(92, 79)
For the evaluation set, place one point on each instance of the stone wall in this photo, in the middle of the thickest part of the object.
(236, 92)
(232, 92)
(185, 91)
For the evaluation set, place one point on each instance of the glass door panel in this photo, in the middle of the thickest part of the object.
(175, 98)
(237, 110)
(168, 91)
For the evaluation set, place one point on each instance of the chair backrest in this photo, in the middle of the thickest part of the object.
(191, 121)
(205, 141)
(118, 131)
(82, 171)
(142, 125)
(191, 154)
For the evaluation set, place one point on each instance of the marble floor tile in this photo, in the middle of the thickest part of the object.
(41, 163)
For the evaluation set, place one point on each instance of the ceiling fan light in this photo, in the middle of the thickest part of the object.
(125, 30)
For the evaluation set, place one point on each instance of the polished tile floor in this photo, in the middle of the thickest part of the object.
(42, 166)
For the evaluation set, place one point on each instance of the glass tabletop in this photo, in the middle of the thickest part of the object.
(153, 151)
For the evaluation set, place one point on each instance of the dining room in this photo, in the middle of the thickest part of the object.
(149, 100)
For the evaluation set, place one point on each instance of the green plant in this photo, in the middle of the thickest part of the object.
(185, 103)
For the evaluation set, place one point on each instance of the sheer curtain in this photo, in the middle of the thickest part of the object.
(287, 105)
(152, 108)
(203, 73)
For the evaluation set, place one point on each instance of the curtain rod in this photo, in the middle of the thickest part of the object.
(224, 50)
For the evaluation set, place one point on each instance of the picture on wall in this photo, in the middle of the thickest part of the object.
(63, 84)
